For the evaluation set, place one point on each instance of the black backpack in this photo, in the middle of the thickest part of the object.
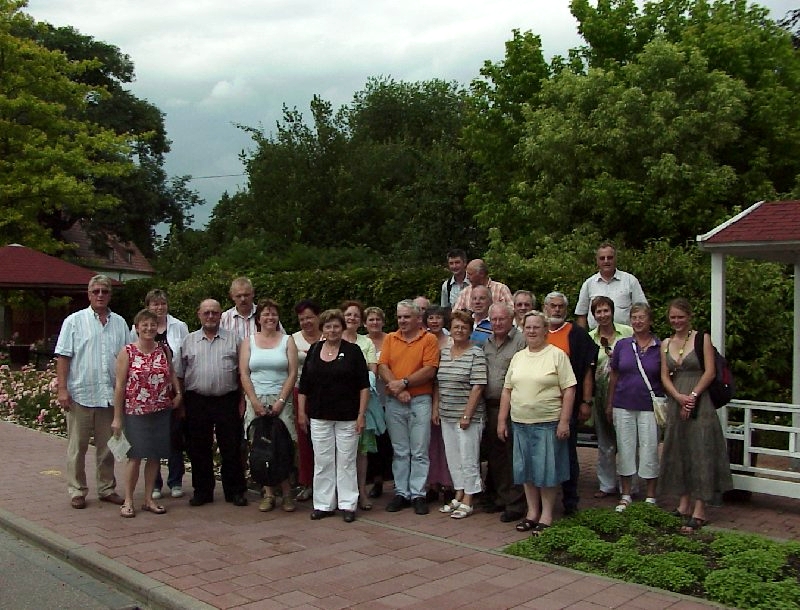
(271, 450)
(723, 387)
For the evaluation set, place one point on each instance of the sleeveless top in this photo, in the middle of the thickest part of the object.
(269, 367)
(149, 385)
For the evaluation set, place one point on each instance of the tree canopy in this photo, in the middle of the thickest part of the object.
(114, 142)
(674, 115)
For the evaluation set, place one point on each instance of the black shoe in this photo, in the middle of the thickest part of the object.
(509, 516)
(317, 514)
(492, 508)
(432, 496)
(376, 491)
(349, 516)
(196, 500)
(397, 503)
(238, 500)
(569, 511)
(448, 495)
(420, 506)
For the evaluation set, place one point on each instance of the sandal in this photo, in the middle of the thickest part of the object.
(364, 505)
(650, 501)
(624, 502)
(156, 509)
(449, 508)
(539, 529)
(462, 512)
(526, 525)
(127, 511)
(304, 494)
(600, 494)
(694, 524)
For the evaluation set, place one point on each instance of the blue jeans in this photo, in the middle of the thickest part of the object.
(409, 427)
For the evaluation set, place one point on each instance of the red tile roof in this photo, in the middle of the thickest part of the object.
(773, 221)
(126, 255)
(21, 268)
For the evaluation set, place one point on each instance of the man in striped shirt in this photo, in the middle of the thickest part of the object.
(241, 318)
(209, 370)
(87, 349)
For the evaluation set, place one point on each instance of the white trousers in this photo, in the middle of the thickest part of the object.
(463, 449)
(335, 447)
(636, 430)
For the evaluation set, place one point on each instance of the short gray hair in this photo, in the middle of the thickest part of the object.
(527, 292)
(409, 304)
(101, 279)
(504, 306)
(555, 295)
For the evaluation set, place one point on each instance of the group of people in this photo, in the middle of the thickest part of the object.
(482, 376)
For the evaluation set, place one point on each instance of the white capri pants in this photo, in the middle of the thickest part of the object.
(636, 430)
(463, 449)
(335, 446)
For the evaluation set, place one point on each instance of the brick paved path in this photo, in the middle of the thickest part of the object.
(231, 557)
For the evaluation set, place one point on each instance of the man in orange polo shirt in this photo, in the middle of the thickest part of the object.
(408, 363)
(582, 352)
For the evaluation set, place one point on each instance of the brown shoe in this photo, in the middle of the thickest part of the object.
(113, 498)
(78, 502)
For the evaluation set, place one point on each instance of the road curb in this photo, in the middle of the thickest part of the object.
(149, 591)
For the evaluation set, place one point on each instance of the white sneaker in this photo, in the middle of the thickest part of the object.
(177, 492)
(156, 494)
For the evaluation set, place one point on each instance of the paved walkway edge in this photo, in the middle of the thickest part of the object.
(149, 591)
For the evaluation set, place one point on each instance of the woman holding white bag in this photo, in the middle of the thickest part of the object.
(634, 384)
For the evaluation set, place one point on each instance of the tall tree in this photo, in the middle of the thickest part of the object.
(672, 115)
(147, 197)
(51, 157)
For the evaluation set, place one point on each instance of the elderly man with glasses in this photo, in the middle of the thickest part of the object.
(87, 349)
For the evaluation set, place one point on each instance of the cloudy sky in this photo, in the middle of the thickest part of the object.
(208, 64)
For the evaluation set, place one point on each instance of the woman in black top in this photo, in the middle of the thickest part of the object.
(332, 398)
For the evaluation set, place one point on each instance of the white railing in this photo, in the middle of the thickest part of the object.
(758, 478)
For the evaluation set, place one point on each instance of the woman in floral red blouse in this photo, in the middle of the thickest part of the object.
(146, 391)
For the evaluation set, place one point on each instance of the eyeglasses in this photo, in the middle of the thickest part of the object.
(210, 313)
(97, 291)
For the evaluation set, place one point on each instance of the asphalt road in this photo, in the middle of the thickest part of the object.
(31, 579)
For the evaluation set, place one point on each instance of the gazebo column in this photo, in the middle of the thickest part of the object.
(718, 297)
(794, 439)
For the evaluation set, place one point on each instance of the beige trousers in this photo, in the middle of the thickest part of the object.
(83, 423)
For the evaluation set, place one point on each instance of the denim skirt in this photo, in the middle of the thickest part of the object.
(539, 457)
(149, 435)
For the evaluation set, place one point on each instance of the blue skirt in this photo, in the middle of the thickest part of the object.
(539, 457)
(149, 435)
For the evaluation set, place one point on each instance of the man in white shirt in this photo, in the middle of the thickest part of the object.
(621, 287)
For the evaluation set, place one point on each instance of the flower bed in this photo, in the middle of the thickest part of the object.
(28, 397)
(642, 545)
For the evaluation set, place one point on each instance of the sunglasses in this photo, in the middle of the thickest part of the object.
(100, 291)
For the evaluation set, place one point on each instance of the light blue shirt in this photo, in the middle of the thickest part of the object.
(92, 349)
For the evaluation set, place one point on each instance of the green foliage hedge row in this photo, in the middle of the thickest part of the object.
(758, 294)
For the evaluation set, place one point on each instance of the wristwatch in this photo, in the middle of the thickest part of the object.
(587, 402)
(405, 381)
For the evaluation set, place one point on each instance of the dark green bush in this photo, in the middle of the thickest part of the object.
(592, 550)
(602, 521)
(766, 564)
(742, 589)
(733, 543)
(561, 537)
(680, 542)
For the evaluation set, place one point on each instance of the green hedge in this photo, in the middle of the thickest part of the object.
(759, 316)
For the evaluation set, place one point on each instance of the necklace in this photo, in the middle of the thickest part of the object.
(331, 350)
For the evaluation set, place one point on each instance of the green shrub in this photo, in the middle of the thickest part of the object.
(681, 543)
(732, 543)
(766, 564)
(602, 521)
(742, 589)
(560, 537)
(592, 550)
(694, 564)
(654, 570)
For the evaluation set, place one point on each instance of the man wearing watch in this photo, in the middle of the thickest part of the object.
(408, 362)
(582, 352)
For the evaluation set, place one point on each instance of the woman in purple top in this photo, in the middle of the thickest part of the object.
(630, 404)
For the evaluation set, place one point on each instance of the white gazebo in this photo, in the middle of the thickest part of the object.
(767, 230)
